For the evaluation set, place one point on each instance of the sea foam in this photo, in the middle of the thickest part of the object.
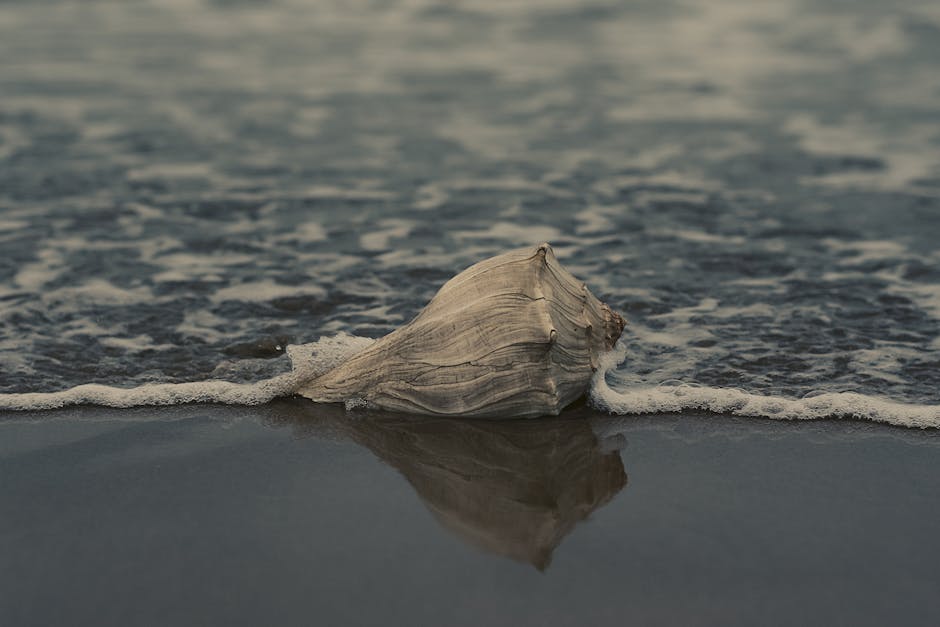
(307, 361)
(685, 396)
(310, 360)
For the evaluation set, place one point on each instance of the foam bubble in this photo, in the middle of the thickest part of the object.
(307, 361)
(99, 292)
(669, 398)
(259, 292)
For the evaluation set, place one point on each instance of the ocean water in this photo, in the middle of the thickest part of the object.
(192, 189)
(209, 200)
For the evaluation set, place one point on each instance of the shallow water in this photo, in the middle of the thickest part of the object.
(187, 187)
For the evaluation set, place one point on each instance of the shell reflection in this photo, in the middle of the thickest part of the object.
(512, 488)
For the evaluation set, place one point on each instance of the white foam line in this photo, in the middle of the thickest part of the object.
(670, 399)
(307, 361)
(225, 392)
(312, 359)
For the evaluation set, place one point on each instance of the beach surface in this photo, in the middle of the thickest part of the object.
(297, 514)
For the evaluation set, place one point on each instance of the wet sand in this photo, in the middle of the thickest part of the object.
(296, 514)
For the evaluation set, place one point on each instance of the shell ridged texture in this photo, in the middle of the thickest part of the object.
(512, 336)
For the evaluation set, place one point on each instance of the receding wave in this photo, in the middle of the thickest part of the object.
(310, 360)
(307, 361)
(684, 396)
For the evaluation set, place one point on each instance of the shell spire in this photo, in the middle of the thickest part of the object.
(515, 335)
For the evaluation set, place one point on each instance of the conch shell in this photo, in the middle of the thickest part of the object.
(512, 336)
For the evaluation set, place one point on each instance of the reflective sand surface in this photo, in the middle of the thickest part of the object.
(292, 515)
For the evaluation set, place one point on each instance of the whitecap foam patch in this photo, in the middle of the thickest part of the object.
(307, 361)
(675, 398)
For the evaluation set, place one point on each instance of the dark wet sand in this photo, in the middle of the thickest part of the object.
(292, 514)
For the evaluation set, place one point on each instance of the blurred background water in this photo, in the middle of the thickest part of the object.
(187, 186)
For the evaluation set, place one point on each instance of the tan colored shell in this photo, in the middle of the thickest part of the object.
(512, 336)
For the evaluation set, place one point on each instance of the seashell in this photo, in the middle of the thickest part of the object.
(512, 336)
